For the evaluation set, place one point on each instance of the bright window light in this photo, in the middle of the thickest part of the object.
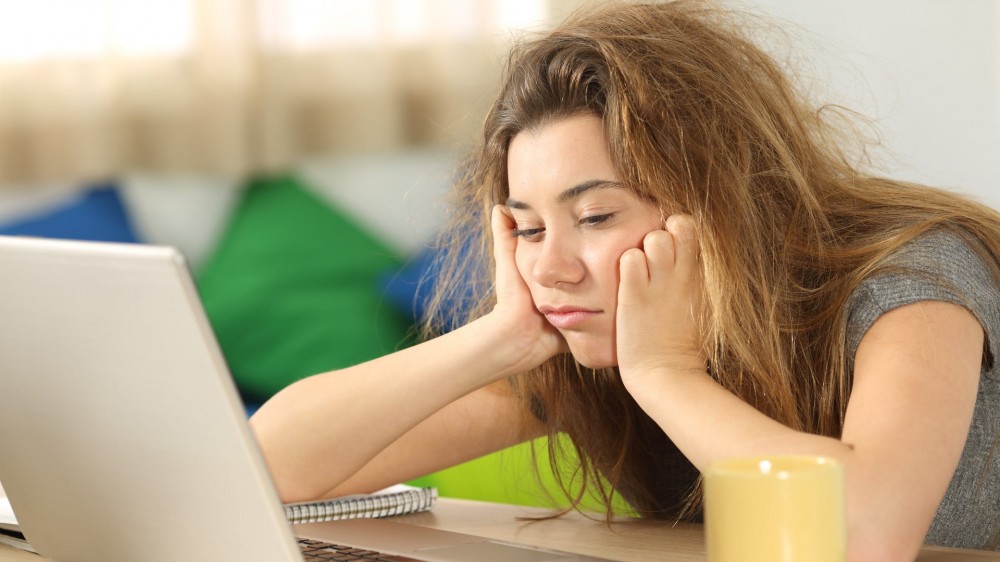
(73, 29)
(41, 29)
(520, 14)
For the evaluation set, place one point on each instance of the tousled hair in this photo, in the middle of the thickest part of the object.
(702, 121)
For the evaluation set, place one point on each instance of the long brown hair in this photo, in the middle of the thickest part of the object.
(702, 121)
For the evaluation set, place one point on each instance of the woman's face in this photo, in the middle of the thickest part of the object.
(574, 221)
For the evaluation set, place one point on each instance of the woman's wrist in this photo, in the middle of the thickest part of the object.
(661, 372)
(512, 349)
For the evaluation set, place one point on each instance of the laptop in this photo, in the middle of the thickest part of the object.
(122, 436)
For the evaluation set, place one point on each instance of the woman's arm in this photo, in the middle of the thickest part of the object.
(414, 411)
(915, 381)
(321, 431)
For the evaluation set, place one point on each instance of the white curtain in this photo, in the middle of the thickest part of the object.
(90, 90)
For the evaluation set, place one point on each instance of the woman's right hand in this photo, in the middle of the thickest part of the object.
(530, 339)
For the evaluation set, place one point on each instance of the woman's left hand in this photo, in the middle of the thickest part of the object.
(659, 304)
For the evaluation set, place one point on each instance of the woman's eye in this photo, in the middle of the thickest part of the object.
(529, 234)
(596, 219)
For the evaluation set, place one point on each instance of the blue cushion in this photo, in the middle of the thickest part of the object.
(98, 214)
(410, 288)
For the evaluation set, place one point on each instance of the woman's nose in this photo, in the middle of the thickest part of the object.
(557, 263)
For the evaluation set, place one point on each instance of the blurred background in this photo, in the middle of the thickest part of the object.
(297, 150)
(186, 92)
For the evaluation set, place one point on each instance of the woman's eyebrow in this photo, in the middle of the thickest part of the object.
(571, 193)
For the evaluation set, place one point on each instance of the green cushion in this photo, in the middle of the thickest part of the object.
(291, 289)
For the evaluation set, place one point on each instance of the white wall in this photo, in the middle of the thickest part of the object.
(927, 70)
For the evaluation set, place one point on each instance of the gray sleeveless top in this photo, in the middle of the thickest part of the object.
(942, 267)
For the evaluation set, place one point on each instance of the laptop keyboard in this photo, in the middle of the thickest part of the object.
(314, 550)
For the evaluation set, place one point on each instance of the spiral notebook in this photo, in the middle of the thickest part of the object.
(123, 437)
(394, 500)
(400, 499)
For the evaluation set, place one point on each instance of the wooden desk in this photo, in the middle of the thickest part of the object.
(632, 541)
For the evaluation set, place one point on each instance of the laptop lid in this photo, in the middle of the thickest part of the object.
(118, 419)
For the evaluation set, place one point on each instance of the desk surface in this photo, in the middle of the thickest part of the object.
(634, 541)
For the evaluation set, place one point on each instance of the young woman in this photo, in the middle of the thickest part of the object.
(664, 252)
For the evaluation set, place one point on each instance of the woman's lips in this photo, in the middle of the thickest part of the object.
(567, 317)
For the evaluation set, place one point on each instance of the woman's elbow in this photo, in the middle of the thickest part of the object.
(881, 549)
(871, 538)
(280, 463)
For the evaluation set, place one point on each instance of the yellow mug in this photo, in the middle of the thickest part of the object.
(787, 508)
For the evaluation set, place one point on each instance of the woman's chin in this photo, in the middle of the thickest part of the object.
(594, 365)
(594, 349)
(594, 359)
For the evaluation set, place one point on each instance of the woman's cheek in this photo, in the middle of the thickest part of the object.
(522, 261)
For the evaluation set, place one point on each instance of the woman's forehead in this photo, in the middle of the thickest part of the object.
(559, 155)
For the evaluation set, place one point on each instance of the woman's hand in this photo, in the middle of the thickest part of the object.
(532, 339)
(659, 304)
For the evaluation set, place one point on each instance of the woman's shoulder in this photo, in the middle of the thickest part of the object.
(937, 248)
(936, 266)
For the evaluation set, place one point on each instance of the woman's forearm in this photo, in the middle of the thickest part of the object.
(318, 432)
(709, 423)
